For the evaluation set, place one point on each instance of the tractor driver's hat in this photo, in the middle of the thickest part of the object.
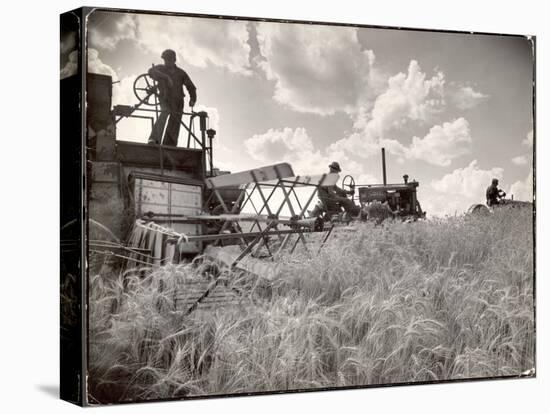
(168, 54)
(335, 166)
(495, 181)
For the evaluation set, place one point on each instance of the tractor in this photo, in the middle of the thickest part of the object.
(378, 202)
(503, 203)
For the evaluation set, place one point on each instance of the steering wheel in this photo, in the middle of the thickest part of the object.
(348, 182)
(146, 90)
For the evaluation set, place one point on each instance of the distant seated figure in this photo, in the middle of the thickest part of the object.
(333, 197)
(171, 80)
(494, 194)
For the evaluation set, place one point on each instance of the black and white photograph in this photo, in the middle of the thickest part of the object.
(278, 206)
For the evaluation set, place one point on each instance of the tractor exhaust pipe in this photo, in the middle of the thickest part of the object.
(384, 180)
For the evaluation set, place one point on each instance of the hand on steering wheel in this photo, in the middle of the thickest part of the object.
(348, 182)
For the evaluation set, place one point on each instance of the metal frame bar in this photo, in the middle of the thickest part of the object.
(248, 190)
(288, 193)
(217, 280)
(329, 232)
(227, 224)
(154, 118)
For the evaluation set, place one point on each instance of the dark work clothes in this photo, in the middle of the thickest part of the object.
(492, 195)
(333, 197)
(173, 114)
(171, 102)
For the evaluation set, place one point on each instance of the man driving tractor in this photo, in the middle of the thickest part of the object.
(333, 198)
(494, 194)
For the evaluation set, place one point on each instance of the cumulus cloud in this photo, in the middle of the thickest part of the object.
(316, 69)
(466, 97)
(296, 147)
(528, 141)
(459, 189)
(525, 159)
(407, 97)
(200, 42)
(523, 190)
(468, 181)
(442, 144)
(71, 67)
(360, 143)
(123, 91)
(108, 29)
(95, 65)
(213, 116)
(285, 145)
(520, 160)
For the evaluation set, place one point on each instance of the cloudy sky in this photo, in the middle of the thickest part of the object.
(452, 110)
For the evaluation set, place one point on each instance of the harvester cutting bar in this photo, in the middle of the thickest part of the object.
(247, 235)
(269, 231)
(309, 222)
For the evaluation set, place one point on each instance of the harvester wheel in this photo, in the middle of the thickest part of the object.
(146, 90)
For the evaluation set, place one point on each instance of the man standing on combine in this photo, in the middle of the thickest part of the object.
(494, 194)
(171, 80)
(332, 198)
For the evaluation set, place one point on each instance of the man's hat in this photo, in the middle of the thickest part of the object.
(335, 166)
(167, 53)
(495, 181)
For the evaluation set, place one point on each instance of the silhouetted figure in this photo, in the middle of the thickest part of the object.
(171, 80)
(494, 194)
(332, 198)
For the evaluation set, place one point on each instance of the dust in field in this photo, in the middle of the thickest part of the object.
(434, 300)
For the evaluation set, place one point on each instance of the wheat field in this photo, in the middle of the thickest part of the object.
(440, 299)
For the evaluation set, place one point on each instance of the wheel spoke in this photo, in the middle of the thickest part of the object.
(144, 89)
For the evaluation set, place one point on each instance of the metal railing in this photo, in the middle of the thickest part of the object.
(201, 139)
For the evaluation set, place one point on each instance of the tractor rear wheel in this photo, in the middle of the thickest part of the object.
(478, 209)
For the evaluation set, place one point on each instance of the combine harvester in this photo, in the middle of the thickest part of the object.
(150, 205)
(267, 192)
